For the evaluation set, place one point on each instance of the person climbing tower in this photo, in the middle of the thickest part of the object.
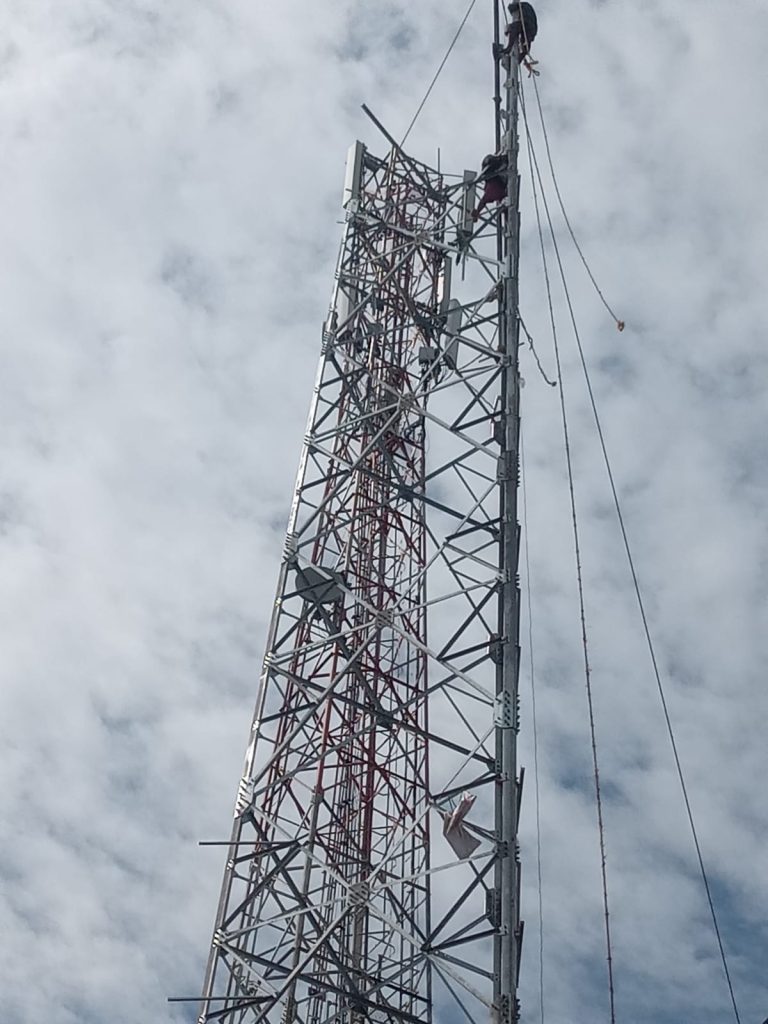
(522, 29)
(494, 173)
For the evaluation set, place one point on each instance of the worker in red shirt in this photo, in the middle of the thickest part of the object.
(494, 173)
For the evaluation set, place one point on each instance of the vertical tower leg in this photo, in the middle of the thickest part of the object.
(508, 432)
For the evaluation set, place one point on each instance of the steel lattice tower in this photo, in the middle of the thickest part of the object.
(389, 685)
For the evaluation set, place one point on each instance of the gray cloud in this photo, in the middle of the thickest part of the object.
(170, 182)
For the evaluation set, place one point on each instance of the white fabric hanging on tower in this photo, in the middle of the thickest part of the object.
(461, 841)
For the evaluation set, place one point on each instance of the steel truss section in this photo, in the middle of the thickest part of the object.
(388, 695)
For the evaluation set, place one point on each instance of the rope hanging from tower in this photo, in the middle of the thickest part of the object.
(579, 575)
(440, 67)
(534, 722)
(536, 176)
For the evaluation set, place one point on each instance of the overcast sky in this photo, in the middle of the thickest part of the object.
(170, 184)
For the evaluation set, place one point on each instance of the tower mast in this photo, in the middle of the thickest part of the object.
(373, 870)
(507, 683)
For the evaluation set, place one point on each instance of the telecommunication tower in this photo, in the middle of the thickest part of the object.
(373, 871)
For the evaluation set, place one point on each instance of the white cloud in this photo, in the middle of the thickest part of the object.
(169, 191)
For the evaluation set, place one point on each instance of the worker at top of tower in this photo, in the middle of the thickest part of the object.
(522, 29)
(494, 173)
